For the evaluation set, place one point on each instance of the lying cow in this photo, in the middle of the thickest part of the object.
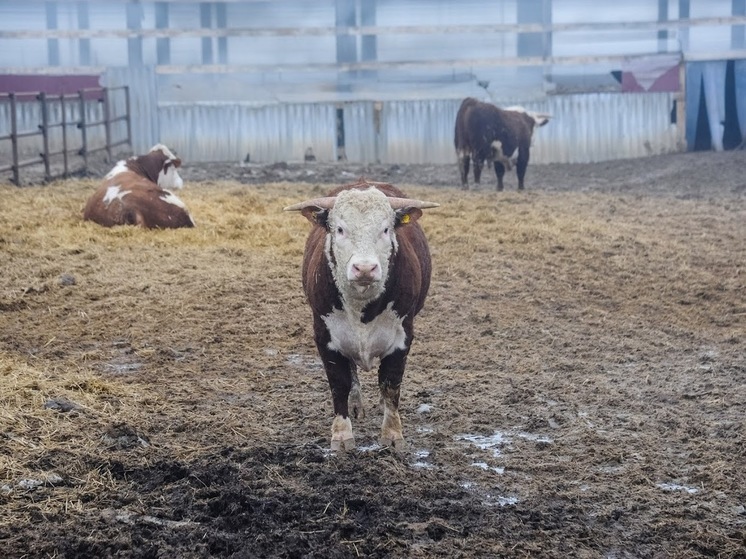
(484, 132)
(366, 272)
(135, 192)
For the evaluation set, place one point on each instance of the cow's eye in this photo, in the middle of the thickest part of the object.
(340, 231)
(386, 231)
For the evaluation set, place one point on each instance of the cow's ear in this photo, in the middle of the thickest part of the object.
(403, 216)
(176, 162)
(316, 215)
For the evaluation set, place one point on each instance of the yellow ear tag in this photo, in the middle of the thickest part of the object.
(405, 218)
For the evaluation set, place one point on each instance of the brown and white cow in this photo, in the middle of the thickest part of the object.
(366, 273)
(484, 132)
(135, 192)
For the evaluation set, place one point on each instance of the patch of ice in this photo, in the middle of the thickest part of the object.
(499, 439)
(505, 501)
(677, 487)
(487, 468)
(533, 437)
(487, 442)
(28, 484)
(369, 448)
(421, 456)
(424, 408)
(424, 429)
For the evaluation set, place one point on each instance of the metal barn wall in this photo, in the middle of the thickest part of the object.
(143, 102)
(230, 131)
(584, 128)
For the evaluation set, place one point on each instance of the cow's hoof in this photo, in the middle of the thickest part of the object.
(400, 445)
(345, 445)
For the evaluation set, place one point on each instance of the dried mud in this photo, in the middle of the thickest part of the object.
(576, 388)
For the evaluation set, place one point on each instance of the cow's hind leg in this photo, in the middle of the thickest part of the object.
(355, 399)
(499, 173)
(463, 168)
(478, 164)
(390, 376)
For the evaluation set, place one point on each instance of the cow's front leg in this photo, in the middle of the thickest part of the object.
(521, 166)
(390, 375)
(339, 372)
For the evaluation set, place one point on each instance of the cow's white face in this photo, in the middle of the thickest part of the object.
(169, 177)
(359, 243)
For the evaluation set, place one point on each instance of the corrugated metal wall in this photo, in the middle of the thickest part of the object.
(143, 102)
(584, 128)
(230, 131)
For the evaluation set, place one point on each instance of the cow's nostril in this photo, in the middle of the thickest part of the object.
(362, 270)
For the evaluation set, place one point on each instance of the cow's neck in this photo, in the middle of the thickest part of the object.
(354, 302)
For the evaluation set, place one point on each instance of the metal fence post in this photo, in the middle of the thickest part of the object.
(42, 97)
(107, 124)
(129, 115)
(83, 135)
(14, 138)
(64, 135)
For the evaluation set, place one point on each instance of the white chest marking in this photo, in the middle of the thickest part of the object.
(114, 193)
(364, 343)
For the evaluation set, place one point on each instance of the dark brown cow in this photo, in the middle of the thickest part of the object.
(135, 192)
(366, 273)
(484, 132)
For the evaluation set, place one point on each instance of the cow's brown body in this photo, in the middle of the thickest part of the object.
(484, 132)
(134, 193)
(136, 202)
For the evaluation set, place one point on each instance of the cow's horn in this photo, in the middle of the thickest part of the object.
(398, 203)
(325, 203)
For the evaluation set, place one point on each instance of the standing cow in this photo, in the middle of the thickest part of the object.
(484, 132)
(366, 273)
(135, 192)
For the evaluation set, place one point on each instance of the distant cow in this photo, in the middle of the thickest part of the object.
(135, 192)
(484, 132)
(366, 273)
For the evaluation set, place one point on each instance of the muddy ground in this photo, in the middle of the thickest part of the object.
(576, 388)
